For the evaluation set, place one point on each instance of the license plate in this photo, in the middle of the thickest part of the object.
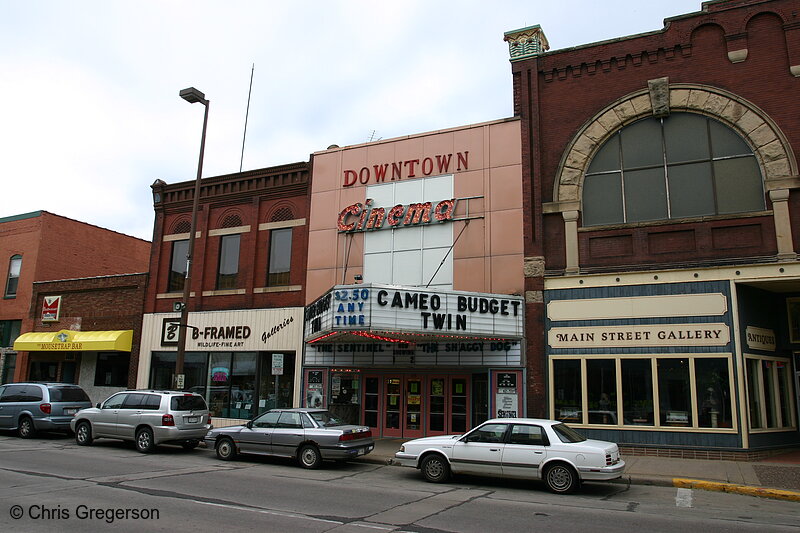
(192, 419)
(70, 411)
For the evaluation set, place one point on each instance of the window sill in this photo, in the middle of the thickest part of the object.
(279, 288)
(227, 292)
(673, 221)
(172, 295)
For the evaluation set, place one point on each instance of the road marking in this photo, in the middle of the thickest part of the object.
(683, 498)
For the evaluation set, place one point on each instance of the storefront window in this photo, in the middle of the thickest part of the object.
(218, 384)
(674, 393)
(637, 392)
(162, 368)
(345, 396)
(112, 369)
(601, 390)
(275, 390)
(754, 393)
(568, 390)
(770, 394)
(713, 393)
(243, 385)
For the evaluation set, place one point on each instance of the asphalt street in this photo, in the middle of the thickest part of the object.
(51, 483)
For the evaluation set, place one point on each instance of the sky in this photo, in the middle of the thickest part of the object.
(90, 114)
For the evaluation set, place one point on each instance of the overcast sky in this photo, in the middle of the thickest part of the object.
(90, 114)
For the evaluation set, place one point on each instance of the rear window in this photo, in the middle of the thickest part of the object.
(567, 434)
(325, 419)
(68, 394)
(188, 403)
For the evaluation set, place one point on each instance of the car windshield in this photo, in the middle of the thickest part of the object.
(67, 394)
(567, 434)
(325, 419)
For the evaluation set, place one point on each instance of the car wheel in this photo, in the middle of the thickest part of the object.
(226, 450)
(309, 456)
(83, 434)
(435, 468)
(190, 444)
(144, 440)
(561, 479)
(26, 429)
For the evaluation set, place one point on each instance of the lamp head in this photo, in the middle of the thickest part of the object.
(192, 96)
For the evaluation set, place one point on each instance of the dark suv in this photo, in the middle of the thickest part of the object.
(32, 407)
(146, 417)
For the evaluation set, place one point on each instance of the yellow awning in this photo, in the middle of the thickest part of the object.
(75, 341)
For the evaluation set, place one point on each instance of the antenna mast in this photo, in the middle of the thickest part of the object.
(247, 114)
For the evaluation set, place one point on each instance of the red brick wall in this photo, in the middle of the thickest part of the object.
(253, 208)
(559, 92)
(106, 303)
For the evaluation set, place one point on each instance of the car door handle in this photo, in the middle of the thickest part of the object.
(538, 453)
(494, 449)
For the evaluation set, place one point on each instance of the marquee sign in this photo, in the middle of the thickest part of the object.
(386, 313)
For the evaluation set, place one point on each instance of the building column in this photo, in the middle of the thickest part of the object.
(571, 241)
(783, 223)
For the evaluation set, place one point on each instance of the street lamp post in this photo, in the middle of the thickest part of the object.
(192, 96)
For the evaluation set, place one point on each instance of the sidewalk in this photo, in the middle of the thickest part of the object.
(777, 477)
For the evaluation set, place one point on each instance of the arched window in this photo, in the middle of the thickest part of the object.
(683, 165)
(14, 267)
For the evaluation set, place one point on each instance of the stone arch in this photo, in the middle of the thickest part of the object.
(230, 218)
(772, 150)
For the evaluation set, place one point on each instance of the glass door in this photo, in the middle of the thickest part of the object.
(437, 405)
(393, 394)
(371, 402)
(413, 408)
(459, 404)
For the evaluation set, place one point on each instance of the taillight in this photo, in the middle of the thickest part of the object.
(167, 420)
(354, 436)
(209, 419)
(45, 408)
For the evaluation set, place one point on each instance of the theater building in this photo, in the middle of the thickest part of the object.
(414, 317)
(243, 352)
(662, 172)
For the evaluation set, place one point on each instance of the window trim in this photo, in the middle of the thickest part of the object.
(618, 358)
(9, 277)
(222, 238)
(272, 253)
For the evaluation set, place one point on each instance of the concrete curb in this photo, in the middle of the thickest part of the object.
(666, 481)
(761, 492)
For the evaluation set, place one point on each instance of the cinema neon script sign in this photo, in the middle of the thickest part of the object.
(364, 217)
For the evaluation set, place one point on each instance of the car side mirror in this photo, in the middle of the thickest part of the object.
(98, 405)
(249, 424)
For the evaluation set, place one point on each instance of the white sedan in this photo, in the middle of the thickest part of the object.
(516, 448)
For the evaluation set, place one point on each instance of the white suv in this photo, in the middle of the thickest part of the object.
(147, 417)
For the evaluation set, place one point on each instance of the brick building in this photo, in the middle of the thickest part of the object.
(661, 186)
(247, 289)
(42, 246)
(103, 315)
